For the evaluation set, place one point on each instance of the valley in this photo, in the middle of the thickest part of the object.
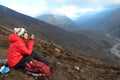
(114, 49)
(82, 54)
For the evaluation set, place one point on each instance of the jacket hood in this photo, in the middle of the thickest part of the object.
(14, 38)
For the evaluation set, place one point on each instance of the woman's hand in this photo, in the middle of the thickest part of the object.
(32, 36)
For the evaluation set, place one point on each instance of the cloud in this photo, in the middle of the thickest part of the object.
(66, 7)
(87, 3)
(75, 8)
(66, 10)
(28, 7)
(112, 2)
(71, 11)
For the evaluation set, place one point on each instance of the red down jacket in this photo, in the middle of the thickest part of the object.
(18, 49)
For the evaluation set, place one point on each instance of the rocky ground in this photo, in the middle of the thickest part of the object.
(69, 65)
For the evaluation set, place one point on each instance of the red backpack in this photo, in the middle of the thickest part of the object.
(37, 69)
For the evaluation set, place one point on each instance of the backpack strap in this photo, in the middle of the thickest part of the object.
(36, 75)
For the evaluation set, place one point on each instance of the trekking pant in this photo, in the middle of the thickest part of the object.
(34, 55)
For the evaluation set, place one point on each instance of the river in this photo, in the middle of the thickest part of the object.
(114, 49)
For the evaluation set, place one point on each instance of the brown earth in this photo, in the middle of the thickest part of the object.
(69, 66)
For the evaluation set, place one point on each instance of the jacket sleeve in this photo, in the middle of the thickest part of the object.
(25, 49)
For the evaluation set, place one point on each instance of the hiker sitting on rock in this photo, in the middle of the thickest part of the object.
(19, 52)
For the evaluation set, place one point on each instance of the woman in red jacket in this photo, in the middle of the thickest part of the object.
(19, 52)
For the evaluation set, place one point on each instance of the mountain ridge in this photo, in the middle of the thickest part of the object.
(53, 34)
(61, 21)
(69, 66)
(97, 20)
(48, 32)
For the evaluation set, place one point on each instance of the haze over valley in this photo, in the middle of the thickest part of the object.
(90, 38)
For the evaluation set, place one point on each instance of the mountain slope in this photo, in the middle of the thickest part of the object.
(95, 20)
(10, 19)
(70, 66)
(107, 21)
(113, 24)
(78, 42)
(60, 21)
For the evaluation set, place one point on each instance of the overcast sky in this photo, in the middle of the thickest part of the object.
(66, 7)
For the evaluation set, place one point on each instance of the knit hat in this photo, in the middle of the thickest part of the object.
(20, 31)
